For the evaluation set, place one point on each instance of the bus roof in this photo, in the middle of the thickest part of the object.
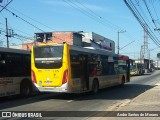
(94, 51)
(11, 50)
(87, 50)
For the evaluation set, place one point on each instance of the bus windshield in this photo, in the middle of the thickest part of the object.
(49, 57)
(133, 68)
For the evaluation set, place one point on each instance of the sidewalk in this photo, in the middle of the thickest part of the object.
(147, 101)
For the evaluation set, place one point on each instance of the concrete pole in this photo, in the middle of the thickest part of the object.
(118, 44)
(118, 40)
(7, 33)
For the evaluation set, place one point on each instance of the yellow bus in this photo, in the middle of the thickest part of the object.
(15, 75)
(137, 69)
(72, 69)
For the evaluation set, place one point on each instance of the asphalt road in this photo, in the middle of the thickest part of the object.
(106, 99)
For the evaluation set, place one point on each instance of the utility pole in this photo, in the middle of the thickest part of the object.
(146, 54)
(144, 47)
(118, 43)
(142, 54)
(118, 40)
(7, 33)
(149, 59)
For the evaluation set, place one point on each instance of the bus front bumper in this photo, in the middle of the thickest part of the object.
(133, 73)
(62, 89)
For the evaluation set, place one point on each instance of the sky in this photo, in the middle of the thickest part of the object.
(104, 17)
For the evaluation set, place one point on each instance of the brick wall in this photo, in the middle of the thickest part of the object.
(28, 46)
(60, 37)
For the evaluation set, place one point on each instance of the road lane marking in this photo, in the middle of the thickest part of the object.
(75, 99)
(70, 101)
(118, 104)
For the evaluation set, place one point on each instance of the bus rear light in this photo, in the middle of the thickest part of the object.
(65, 75)
(33, 76)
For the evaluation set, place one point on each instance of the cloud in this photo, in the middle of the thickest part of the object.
(91, 7)
(53, 2)
(75, 3)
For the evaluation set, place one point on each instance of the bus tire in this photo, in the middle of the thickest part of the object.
(122, 81)
(95, 86)
(25, 88)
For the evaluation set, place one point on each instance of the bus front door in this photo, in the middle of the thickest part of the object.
(128, 71)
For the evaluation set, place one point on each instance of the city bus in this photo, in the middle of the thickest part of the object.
(137, 69)
(72, 69)
(15, 75)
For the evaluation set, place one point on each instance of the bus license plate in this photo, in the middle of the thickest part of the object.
(49, 82)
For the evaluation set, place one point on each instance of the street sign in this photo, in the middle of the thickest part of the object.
(158, 55)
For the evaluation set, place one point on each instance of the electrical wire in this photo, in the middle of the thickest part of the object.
(32, 19)
(149, 11)
(90, 14)
(14, 29)
(4, 7)
(141, 20)
(23, 19)
(100, 17)
(154, 10)
(33, 25)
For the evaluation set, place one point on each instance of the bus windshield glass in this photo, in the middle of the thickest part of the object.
(133, 68)
(49, 57)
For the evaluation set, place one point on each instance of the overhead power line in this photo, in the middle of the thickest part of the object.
(100, 17)
(154, 10)
(81, 7)
(29, 24)
(89, 13)
(142, 21)
(31, 18)
(149, 11)
(15, 29)
(4, 7)
(23, 19)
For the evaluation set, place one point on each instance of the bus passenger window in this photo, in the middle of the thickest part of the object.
(2, 65)
(99, 68)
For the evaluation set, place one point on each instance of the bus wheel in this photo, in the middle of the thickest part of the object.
(122, 81)
(25, 89)
(95, 87)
